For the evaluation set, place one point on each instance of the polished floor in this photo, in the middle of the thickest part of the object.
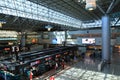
(88, 70)
(90, 73)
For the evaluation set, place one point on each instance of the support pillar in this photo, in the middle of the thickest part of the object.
(65, 38)
(106, 38)
(23, 39)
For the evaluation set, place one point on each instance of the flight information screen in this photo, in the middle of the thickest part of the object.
(88, 40)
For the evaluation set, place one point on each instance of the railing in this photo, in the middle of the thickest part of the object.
(101, 65)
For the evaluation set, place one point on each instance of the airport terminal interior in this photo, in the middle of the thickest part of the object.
(59, 39)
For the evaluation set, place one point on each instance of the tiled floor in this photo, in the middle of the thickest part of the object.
(88, 71)
(81, 74)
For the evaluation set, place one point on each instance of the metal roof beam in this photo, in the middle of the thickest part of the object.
(15, 19)
(112, 5)
(117, 21)
(101, 9)
(81, 10)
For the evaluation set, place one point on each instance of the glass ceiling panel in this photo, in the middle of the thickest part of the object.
(27, 9)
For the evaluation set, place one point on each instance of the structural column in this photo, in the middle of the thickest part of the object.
(106, 38)
(23, 39)
(65, 38)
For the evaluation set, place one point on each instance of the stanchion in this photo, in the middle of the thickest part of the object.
(31, 75)
(5, 75)
(52, 78)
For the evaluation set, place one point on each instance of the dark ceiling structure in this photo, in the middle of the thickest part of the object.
(24, 24)
(72, 8)
(77, 9)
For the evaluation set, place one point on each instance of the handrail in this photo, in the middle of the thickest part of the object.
(101, 65)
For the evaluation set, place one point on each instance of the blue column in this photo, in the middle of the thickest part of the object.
(106, 38)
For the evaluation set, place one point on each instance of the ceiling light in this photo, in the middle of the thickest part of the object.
(90, 4)
(2, 22)
(49, 27)
(0, 25)
(79, 0)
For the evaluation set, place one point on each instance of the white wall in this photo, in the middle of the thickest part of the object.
(60, 36)
(85, 32)
(98, 40)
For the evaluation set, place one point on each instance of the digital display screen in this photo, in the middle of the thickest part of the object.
(88, 40)
(54, 41)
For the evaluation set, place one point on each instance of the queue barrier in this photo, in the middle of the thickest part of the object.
(9, 76)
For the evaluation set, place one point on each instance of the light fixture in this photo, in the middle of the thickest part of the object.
(0, 25)
(49, 27)
(79, 0)
(90, 4)
(2, 22)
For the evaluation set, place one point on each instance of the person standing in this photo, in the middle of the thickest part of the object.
(16, 52)
(31, 75)
(56, 66)
(63, 64)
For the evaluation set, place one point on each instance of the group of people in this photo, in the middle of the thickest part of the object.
(58, 64)
(67, 59)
